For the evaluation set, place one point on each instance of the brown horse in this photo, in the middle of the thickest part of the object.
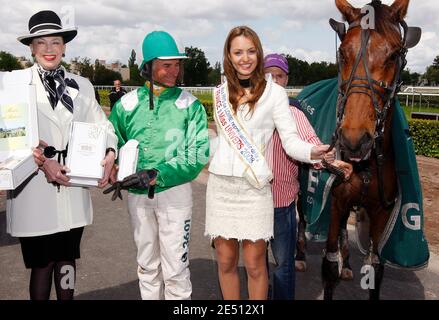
(371, 58)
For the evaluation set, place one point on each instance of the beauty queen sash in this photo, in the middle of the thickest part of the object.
(257, 171)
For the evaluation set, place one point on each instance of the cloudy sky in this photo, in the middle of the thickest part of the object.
(110, 29)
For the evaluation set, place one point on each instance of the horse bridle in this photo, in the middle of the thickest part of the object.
(368, 88)
(390, 91)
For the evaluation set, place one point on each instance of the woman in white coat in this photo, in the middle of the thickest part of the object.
(46, 213)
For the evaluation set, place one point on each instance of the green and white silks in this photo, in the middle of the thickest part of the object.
(403, 243)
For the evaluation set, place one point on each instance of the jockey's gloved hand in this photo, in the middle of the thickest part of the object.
(117, 190)
(139, 180)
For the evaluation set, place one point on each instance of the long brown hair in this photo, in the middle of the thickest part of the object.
(257, 79)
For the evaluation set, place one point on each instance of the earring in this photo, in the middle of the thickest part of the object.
(63, 55)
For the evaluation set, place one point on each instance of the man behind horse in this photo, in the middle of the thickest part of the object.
(285, 188)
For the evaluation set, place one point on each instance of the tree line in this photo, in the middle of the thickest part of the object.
(199, 72)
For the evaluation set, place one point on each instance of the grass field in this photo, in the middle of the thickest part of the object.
(408, 110)
(204, 97)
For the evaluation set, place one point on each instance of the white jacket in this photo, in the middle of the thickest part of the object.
(271, 111)
(36, 207)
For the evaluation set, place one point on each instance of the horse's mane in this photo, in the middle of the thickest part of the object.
(385, 24)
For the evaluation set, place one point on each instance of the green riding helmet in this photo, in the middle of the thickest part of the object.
(160, 45)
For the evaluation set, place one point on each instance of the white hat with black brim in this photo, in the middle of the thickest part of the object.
(47, 23)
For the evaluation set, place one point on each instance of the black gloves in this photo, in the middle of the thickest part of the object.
(138, 180)
(117, 187)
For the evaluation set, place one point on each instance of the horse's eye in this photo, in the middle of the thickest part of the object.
(341, 57)
(392, 58)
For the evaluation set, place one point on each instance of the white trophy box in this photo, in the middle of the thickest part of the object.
(128, 156)
(86, 150)
(18, 128)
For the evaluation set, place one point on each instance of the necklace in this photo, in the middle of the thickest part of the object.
(245, 83)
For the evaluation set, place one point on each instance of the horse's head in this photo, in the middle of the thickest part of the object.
(371, 57)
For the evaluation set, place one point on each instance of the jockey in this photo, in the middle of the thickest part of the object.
(171, 127)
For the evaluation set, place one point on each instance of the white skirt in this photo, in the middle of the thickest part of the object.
(236, 210)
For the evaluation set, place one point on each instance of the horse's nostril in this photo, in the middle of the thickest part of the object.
(365, 139)
(355, 145)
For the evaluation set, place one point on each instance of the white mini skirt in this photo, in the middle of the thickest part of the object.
(237, 210)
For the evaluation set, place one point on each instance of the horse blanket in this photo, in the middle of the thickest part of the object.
(403, 243)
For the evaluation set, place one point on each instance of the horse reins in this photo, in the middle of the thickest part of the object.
(369, 89)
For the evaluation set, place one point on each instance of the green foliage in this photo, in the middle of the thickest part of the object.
(298, 68)
(105, 100)
(84, 67)
(65, 65)
(135, 78)
(8, 62)
(206, 97)
(207, 101)
(208, 106)
(410, 79)
(97, 73)
(195, 68)
(302, 73)
(214, 77)
(432, 72)
(425, 135)
(432, 75)
(104, 76)
(132, 58)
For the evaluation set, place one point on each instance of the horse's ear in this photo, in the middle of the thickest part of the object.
(413, 36)
(399, 9)
(347, 10)
(338, 27)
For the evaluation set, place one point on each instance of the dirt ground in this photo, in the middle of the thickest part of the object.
(429, 174)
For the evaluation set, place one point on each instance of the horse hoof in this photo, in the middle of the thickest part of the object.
(346, 274)
(300, 266)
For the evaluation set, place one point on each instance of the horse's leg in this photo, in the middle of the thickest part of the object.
(346, 270)
(300, 259)
(330, 262)
(378, 221)
(378, 267)
(374, 273)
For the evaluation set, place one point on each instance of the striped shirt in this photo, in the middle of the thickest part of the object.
(285, 184)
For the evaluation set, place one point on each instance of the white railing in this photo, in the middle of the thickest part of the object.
(412, 94)
(424, 90)
(127, 88)
(194, 90)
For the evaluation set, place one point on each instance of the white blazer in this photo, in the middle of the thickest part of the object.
(271, 111)
(36, 207)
